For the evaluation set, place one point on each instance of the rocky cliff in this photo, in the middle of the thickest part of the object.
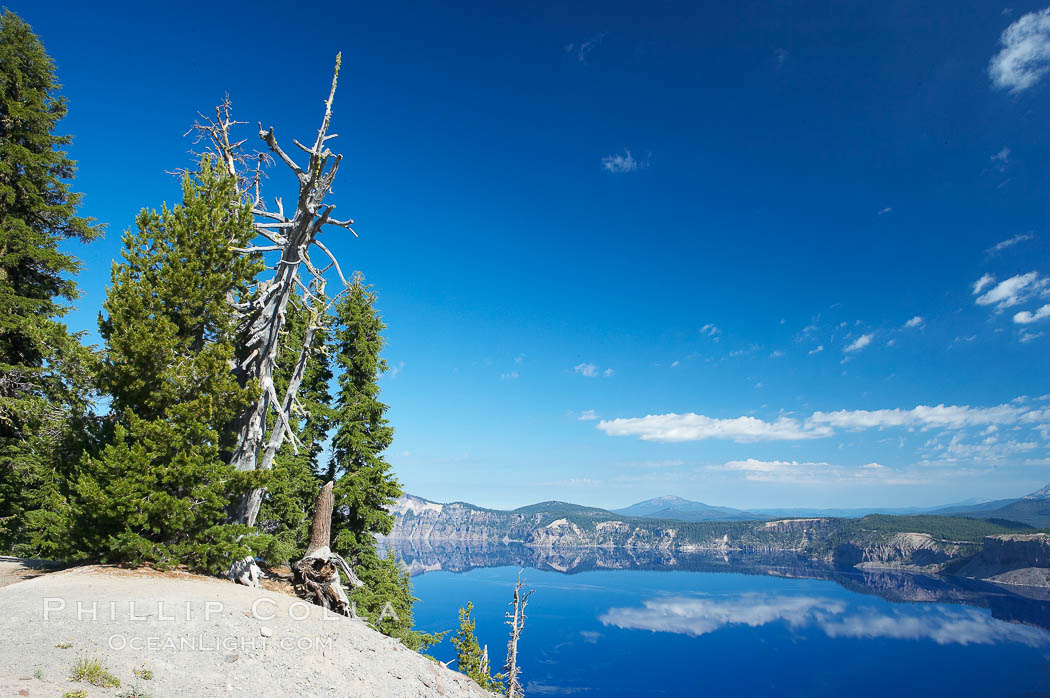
(1011, 559)
(918, 543)
(914, 551)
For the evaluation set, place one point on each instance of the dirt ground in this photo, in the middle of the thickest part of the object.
(14, 570)
(177, 634)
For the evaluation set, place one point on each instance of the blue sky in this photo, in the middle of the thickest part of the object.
(737, 252)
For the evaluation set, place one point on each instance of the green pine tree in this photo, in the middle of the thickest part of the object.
(159, 490)
(386, 601)
(364, 486)
(44, 377)
(470, 659)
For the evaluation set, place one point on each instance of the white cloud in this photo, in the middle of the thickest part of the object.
(572, 482)
(944, 625)
(803, 473)
(1025, 56)
(583, 48)
(589, 370)
(620, 164)
(700, 616)
(916, 321)
(675, 427)
(509, 376)
(587, 416)
(592, 371)
(817, 350)
(1025, 317)
(519, 358)
(1027, 336)
(776, 354)
(398, 368)
(676, 363)
(982, 282)
(710, 330)
(884, 211)
(1009, 242)
(1010, 292)
(926, 417)
(859, 343)
(1002, 158)
(666, 463)
(695, 427)
(989, 450)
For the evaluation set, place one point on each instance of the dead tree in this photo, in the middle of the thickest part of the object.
(288, 239)
(316, 575)
(516, 621)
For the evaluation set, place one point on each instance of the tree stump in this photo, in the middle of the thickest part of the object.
(316, 575)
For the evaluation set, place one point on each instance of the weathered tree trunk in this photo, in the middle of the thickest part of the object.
(516, 621)
(486, 670)
(321, 528)
(247, 508)
(293, 236)
(316, 575)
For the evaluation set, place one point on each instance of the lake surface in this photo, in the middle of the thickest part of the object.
(713, 625)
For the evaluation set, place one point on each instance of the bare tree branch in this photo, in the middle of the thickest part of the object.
(292, 235)
(516, 621)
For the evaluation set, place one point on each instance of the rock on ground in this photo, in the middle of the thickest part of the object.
(198, 636)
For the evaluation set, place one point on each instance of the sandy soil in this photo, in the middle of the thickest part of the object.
(13, 569)
(197, 636)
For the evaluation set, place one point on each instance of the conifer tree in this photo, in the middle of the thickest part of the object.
(364, 486)
(386, 601)
(160, 489)
(44, 386)
(470, 659)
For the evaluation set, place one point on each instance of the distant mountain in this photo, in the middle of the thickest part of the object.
(971, 508)
(837, 513)
(1039, 494)
(419, 518)
(672, 507)
(1034, 512)
(557, 508)
(1032, 509)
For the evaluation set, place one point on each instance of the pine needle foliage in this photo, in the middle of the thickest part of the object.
(470, 659)
(385, 601)
(45, 384)
(364, 485)
(159, 490)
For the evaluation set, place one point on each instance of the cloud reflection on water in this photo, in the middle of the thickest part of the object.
(695, 616)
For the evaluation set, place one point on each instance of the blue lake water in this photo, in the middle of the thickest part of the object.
(680, 629)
